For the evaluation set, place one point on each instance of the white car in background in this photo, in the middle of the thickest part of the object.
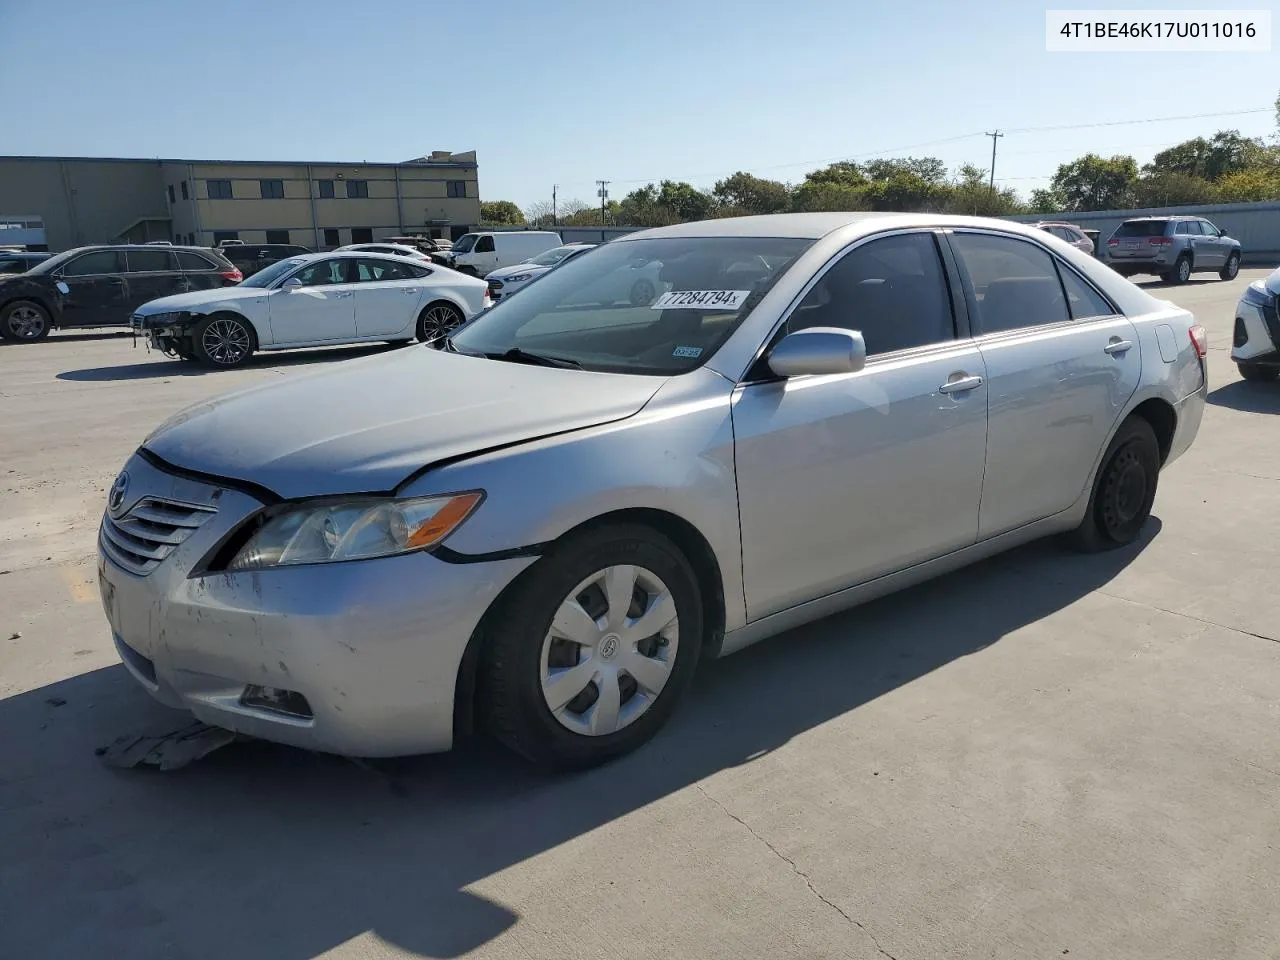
(1255, 341)
(320, 299)
(507, 280)
(395, 249)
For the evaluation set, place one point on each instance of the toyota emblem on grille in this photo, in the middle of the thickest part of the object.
(115, 499)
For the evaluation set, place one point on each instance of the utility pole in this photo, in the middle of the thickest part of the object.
(555, 218)
(995, 135)
(604, 198)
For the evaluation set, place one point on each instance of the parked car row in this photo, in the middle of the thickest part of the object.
(543, 528)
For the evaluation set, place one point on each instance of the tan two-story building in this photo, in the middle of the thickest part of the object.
(205, 202)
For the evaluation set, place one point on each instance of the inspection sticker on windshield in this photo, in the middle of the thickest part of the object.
(701, 300)
(690, 353)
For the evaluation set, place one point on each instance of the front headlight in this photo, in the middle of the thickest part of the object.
(164, 319)
(356, 529)
(1258, 295)
(518, 279)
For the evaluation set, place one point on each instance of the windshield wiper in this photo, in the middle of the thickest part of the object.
(516, 355)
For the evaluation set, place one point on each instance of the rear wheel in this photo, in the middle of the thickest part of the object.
(1123, 491)
(437, 321)
(587, 657)
(223, 340)
(25, 320)
(1252, 371)
(1230, 268)
(1180, 273)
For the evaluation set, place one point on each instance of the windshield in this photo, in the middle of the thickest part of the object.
(268, 275)
(44, 266)
(552, 257)
(464, 243)
(659, 307)
(1142, 228)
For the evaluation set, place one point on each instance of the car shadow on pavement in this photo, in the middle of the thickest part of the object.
(59, 337)
(1248, 396)
(260, 851)
(160, 366)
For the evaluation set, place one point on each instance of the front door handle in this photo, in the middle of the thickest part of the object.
(1117, 346)
(961, 385)
(410, 289)
(345, 293)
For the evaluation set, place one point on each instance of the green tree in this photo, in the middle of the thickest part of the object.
(819, 195)
(1173, 190)
(845, 173)
(1047, 201)
(746, 194)
(1227, 152)
(1243, 186)
(686, 201)
(1096, 183)
(500, 212)
(970, 193)
(930, 170)
(590, 216)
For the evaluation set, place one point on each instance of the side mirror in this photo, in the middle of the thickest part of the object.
(293, 283)
(818, 351)
(1223, 233)
(62, 288)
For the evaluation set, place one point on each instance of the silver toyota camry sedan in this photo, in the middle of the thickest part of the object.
(543, 528)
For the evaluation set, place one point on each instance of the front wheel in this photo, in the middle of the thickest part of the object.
(25, 320)
(1231, 268)
(223, 341)
(1251, 371)
(437, 321)
(588, 656)
(1123, 491)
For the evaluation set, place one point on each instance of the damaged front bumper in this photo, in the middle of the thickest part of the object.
(358, 658)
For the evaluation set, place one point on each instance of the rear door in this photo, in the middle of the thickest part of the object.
(92, 288)
(153, 273)
(1061, 363)
(323, 308)
(200, 272)
(387, 297)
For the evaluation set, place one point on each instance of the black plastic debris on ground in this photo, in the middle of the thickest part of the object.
(168, 751)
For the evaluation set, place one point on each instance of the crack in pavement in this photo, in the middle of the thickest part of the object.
(797, 871)
(1188, 616)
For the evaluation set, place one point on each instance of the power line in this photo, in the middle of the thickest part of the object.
(1125, 123)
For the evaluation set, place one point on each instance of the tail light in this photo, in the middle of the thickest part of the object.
(487, 302)
(232, 276)
(1199, 340)
(1113, 242)
(1160, 241)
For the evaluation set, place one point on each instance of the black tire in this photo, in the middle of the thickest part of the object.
(469, 271)
(643, 292)
(511, 660)
(223, 341)
(437, 320)
(1230, 268)
(1251, 371)
(1181, 271)
(1123, 491)
(25, 321)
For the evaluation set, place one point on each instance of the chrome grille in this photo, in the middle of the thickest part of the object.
(151, 530)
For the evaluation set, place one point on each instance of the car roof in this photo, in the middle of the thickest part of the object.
(814, 226)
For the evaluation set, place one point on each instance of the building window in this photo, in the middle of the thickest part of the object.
(456, 188)
(272, 189)
(219, 189)
(221, 236)
(357, 190)
(331, 238)
(326, 189)
(171, 197)
(362, 234)
(184, 191)
(277, 236)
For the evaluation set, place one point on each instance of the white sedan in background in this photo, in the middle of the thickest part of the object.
(320, 299)
(398, 249)
(507, 280)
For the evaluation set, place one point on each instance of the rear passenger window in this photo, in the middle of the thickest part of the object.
(1083, 300)
(1013, 281)
(1183, 227)
(149, 261)
(381, 270)
(192, 261)
(891, 290)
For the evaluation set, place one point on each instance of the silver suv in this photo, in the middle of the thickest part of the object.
(1173, 247)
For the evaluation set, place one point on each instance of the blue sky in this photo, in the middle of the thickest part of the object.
(567, 91)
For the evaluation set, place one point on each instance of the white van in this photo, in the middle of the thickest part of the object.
(481, 253)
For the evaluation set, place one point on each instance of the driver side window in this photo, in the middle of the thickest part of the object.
(484, 245)
(892, 290)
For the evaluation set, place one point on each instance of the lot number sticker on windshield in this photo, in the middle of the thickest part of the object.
(701, 300)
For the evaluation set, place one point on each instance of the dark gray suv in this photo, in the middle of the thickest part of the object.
(1173, 247)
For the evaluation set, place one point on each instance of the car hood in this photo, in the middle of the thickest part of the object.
(199, 298)
(520, 268)
(364, 426)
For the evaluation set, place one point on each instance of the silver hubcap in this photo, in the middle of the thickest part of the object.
(225, 341)
(438, 322)
(1184, 270)
(1233, 265)
(610, 650)
(26, 322)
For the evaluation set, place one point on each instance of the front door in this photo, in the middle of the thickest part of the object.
(1216, 249)
(845, 478)
(1061, 364)
(92, 288)
(387, 296)
(152, 274)
(323, 308)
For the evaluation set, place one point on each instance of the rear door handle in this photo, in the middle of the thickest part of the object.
(961, 385)
(345, 293)
(1117, 346)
